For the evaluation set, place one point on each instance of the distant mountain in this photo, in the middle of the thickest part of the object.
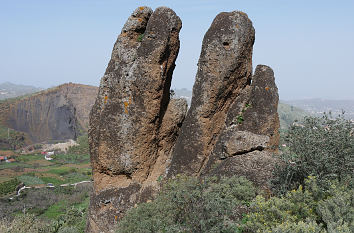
(319, 106)
(57, 113)
(10, 90)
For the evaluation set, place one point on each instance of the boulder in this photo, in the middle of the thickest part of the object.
(133, 123)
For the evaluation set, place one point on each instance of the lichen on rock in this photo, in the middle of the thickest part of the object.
(133, 123)
(138, 135)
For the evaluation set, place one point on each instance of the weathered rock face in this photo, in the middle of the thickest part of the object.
(54, 114)
(224, 70)
(232, 125)
(250, 137)
(136, 133)
(133, 123)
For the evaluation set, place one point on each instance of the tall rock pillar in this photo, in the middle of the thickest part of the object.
(232, 125)
(133, 123)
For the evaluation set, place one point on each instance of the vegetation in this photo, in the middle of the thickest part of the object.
(140, 37)
(307, 209)
(61, 209)
(321, 147)
(289, 114)
(9, 186)
(313, 191)
(187, 204)
(33, 169)
(11, 139)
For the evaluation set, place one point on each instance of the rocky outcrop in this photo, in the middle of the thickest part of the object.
(133, 123)
(138, 135)
(54, 114)
(232, 124)
(250, 136)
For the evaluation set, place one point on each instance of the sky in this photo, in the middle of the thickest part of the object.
(309, 44)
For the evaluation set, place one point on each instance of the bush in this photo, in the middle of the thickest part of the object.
(23, 223)
(187, 204)
(73, 221)
(9, 186)
(299, 227)
(299, 209)
(321, 147)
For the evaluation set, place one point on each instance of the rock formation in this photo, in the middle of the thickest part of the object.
(138, 135)
(232, 124)
(54, 114)
(133, 123)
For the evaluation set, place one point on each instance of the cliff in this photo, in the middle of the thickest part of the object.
(54, 114)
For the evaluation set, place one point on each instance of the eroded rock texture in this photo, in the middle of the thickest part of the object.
(54, 114)
(133, 123)
(136, 133)
(232, 125)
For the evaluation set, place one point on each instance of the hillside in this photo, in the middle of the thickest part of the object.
(57, 113)
(318, 106)
(288, 114)
(10, 90)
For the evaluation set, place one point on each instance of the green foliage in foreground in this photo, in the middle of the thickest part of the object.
(9, 186)
(308, 209)
(61, 209)
(321, 147)
(73, 221)
(192, 205)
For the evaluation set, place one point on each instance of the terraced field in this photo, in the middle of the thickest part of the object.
(51, 198)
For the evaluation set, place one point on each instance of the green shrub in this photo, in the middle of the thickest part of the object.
(24, 223)
(299, 227)
(187, 204)
(321, 147)
(9, 186)
(332, 209)
(74, 220)
(337, 211)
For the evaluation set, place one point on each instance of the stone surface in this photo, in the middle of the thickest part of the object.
(133, 123)
(138, 135)
(232, 125)
(224, 70)
(54, 114)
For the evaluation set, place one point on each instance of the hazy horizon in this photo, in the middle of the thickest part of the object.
(309, 45)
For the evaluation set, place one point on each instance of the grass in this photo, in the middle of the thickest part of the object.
(52, 180)
(30, 180)
(48, 204)
(63, 169)
(54, 211)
